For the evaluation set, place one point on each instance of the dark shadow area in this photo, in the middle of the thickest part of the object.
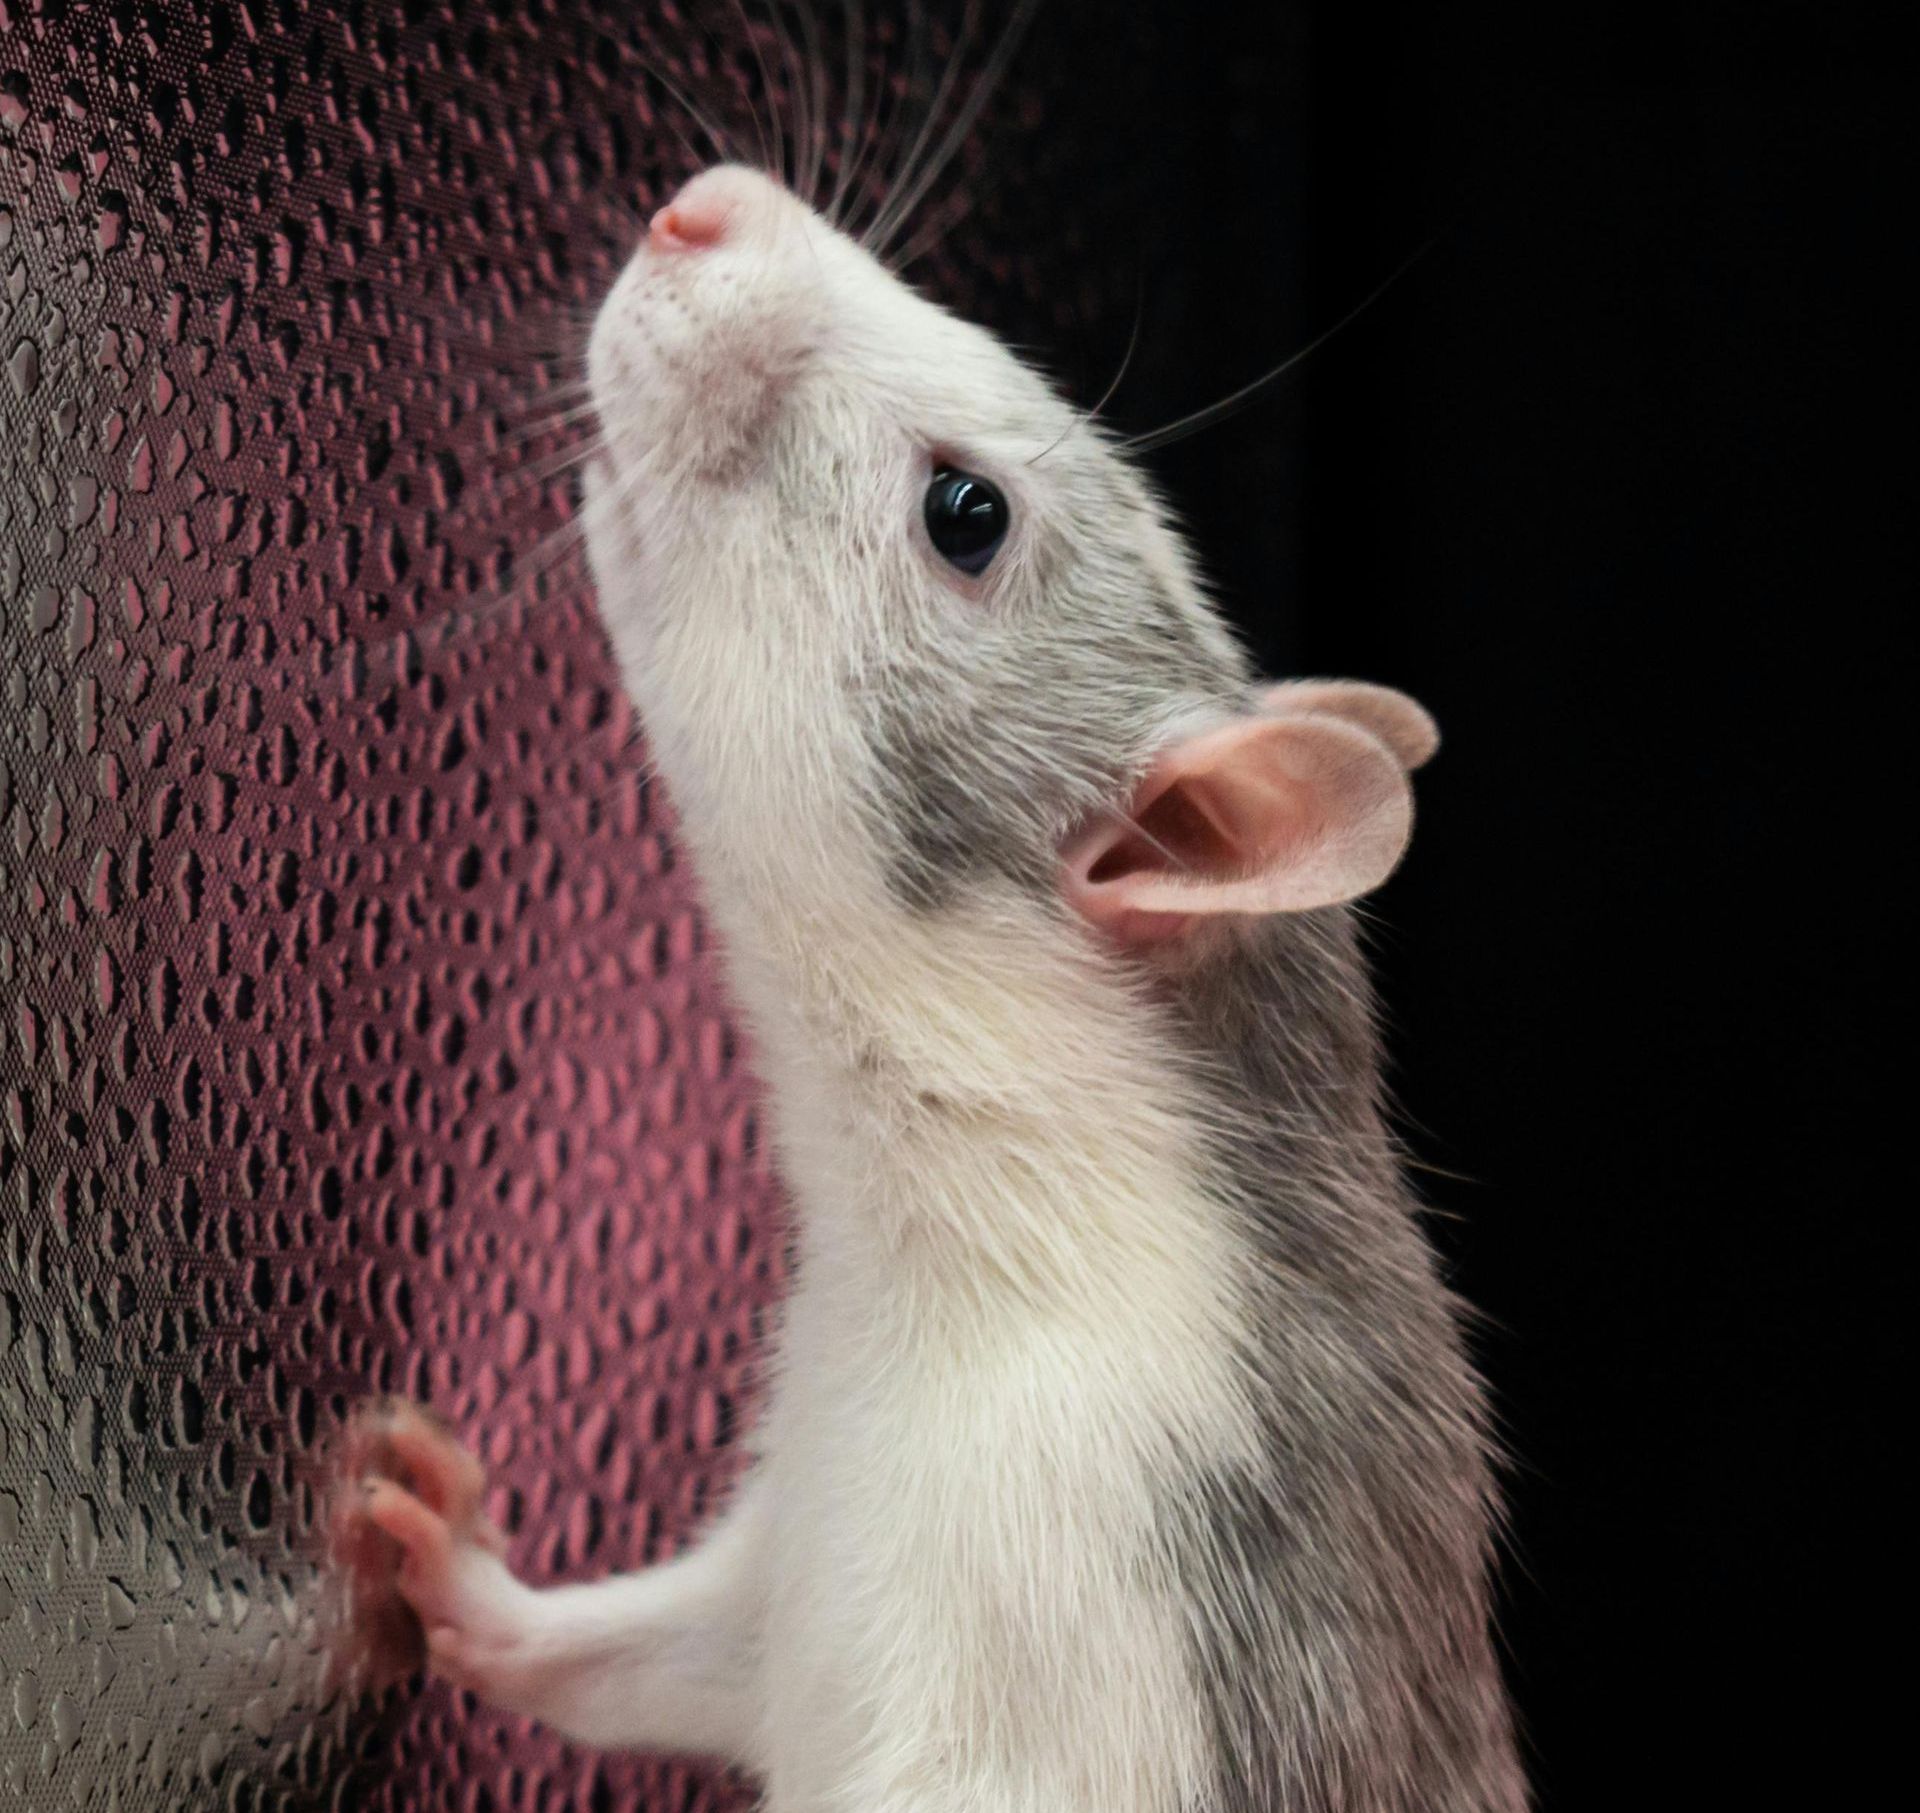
(1604, 479)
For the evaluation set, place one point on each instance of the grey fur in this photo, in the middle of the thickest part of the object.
(984, 766)
(1340, 1600)
(778, 434)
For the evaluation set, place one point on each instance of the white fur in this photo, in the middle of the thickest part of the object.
(942, 1588)
(942, 1575)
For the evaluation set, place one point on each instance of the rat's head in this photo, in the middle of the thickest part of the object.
(909, 632)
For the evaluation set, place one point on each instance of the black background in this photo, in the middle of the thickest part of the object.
(1605, 478)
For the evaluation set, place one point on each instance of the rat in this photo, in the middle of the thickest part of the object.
(1121, 1452)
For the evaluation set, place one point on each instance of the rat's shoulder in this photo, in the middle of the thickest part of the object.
(1277, 1016)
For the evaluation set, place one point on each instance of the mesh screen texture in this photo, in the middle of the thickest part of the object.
(359, 1032)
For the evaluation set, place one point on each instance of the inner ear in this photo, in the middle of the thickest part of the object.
(1171, 830)
(1260, 815)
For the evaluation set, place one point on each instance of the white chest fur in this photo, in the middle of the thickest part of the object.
(1012, 1298)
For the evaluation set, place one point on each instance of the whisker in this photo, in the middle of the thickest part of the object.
(628, 789)
(560, 420)
(1123, 817)
(775, 164)
(851, 116)
(887, 120)
(511, 345)
(532, 569)
(790, 137)
(720, 141)
(1119, 377)
(628, 214)
(963, 122)
(551, 388)
(541, 472)
(805, 120)
(879, 118)
(528, 414)
(872, 237)
(1239, 399)
(814, 68)
(930, 235)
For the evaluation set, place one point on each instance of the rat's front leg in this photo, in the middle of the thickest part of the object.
(664, 1659)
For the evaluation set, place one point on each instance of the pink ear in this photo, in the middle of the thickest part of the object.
(1406, 727)
(1264, 815)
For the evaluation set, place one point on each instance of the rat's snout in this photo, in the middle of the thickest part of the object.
(709, 207)
(693, 223)
(699, 342)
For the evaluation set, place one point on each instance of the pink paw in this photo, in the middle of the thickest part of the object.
(420, 1558)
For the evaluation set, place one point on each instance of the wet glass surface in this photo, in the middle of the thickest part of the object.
(360, 1035)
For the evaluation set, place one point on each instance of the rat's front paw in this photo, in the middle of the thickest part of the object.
(422, 1557)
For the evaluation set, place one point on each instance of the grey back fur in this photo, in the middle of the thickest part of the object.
(1341, 1597)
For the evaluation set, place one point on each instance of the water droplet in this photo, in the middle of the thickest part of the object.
(23, 366)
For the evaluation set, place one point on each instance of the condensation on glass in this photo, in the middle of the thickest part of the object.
(358, 1032)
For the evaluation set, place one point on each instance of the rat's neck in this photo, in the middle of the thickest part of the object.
(979, 1088)
(993, 1011)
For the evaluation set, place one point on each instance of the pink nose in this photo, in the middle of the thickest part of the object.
(697, 216)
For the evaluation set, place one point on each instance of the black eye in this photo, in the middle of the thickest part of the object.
(967, 519)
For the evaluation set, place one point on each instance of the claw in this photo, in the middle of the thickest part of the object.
(418, 1529)
(423, 1568)
(408, 1495)
(439, 1471)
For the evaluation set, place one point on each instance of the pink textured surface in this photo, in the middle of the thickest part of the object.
(359, 1031)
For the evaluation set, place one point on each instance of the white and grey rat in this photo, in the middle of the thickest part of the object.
(1120, 1453)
